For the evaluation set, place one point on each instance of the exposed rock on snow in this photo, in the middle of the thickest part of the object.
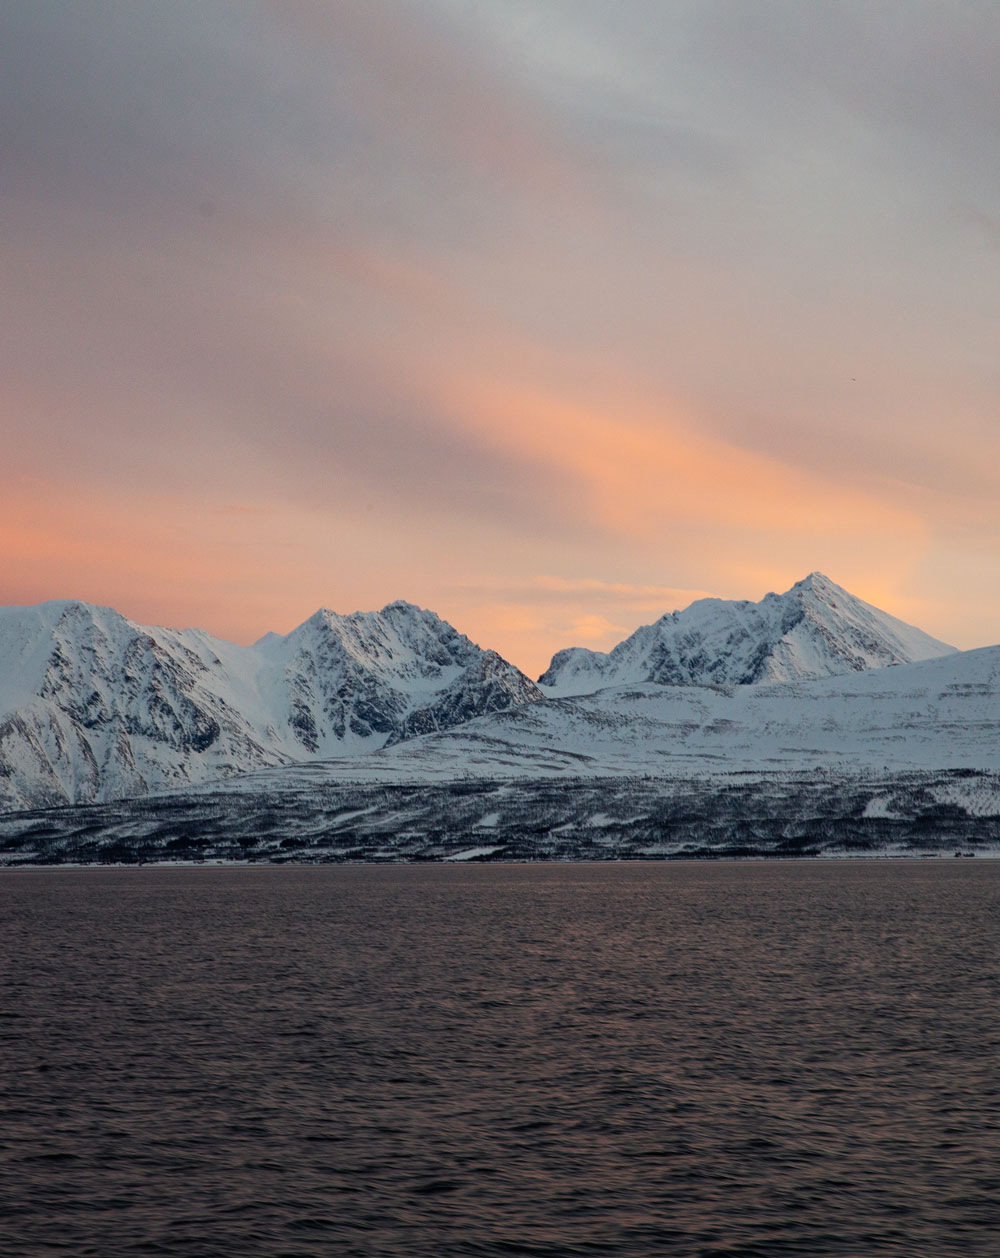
(815, 629)
(95, 707)
(940, 714)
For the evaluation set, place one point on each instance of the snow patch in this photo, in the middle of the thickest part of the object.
(472, 853)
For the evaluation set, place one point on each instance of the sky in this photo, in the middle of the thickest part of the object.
(549, 315)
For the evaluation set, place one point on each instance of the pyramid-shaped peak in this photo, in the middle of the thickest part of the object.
(815, 629)
(401, 605)
(398, 616)
(819, 582)
(322, 618)
(819, 591)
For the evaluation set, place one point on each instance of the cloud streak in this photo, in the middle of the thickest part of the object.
(656, 298)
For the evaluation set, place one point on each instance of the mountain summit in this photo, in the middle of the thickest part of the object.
(95, 707)
(359, 681)
(815, 629)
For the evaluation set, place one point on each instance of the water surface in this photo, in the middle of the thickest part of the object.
(640, 1059)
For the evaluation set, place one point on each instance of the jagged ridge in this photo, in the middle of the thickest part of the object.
(95, 707)
(815, 629)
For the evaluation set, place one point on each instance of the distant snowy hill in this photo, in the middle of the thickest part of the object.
(940, 714)
(895, 761)
(815, 629)
(95, 707)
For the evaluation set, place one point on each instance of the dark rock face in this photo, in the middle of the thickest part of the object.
(113, 709)
(815, 629)
(389, 675)
(94, 707)
(489, 684)
(98, 679)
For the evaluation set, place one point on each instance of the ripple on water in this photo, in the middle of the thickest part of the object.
(606, 1060)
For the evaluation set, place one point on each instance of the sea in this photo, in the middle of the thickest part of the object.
(721, 1060)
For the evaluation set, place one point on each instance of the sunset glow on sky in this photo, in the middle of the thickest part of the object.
(549, 315)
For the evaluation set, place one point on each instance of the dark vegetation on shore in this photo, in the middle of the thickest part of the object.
(794, 815)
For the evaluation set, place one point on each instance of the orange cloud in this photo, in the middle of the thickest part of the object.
(158, 558)
(663, 597)
(591, 628)
(641, 467)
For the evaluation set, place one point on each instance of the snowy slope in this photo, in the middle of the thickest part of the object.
(815, 629)
(94, 706)
(938, 714)
(375, 677)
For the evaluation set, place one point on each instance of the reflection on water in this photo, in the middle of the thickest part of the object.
(547, 1060)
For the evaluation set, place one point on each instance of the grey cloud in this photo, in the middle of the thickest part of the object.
(733, 201)
(161, 110)
(110, 101)
(179, 181)
(810, 232)
(986, 226)
(218, 388)
(918, 74)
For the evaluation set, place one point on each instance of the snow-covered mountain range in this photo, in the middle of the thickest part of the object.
(940, 714)
(94, 707)
(815, 629)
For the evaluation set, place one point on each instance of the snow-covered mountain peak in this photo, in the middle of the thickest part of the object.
(401, 641)
(814, 629)
(94, 706)
(818, 581)
(400, 607)
(817, 588)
